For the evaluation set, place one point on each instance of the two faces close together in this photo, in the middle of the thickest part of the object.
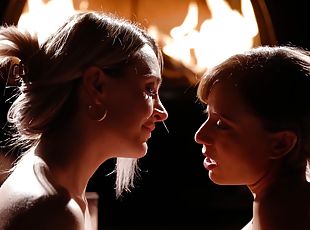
(90, 93)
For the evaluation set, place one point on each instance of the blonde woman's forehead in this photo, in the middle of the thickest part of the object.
(145, 63)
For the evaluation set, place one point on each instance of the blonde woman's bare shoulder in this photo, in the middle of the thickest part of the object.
(51, 212)
(29, 201)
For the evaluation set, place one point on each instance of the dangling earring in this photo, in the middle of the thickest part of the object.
(101, 118)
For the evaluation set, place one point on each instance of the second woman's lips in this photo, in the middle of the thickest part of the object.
(209, 163)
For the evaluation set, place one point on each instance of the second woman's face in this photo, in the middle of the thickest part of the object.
(133, 106)
(235, 144)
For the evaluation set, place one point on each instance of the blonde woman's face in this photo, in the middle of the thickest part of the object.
(134, 106)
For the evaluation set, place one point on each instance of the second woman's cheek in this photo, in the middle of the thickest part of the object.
(146, 96)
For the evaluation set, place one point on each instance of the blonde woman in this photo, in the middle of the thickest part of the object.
(87, 94)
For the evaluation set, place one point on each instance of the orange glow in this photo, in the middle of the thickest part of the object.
(44, 18)
(225, 33)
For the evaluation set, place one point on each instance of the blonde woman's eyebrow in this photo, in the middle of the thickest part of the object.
(151, 76)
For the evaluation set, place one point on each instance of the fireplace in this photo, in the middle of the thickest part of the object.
(194, 34)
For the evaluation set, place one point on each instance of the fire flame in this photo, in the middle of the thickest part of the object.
(44, 17)
(225, 33)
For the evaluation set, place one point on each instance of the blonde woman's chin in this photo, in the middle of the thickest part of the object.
(135, 152)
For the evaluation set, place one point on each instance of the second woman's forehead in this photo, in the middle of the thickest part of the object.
(227, 99)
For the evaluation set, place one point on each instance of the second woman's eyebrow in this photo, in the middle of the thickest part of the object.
(226, 117)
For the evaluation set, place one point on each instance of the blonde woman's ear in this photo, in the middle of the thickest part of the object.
(94, 83)
(283, 142)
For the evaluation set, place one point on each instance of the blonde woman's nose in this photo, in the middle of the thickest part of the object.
(160, 113)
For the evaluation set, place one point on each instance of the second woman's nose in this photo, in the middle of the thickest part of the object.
(202, 135)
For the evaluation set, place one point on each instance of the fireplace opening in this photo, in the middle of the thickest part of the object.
(194, 34)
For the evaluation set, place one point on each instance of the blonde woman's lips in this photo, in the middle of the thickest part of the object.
(149, 128)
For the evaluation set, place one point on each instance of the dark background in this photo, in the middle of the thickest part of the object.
(174, 191)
